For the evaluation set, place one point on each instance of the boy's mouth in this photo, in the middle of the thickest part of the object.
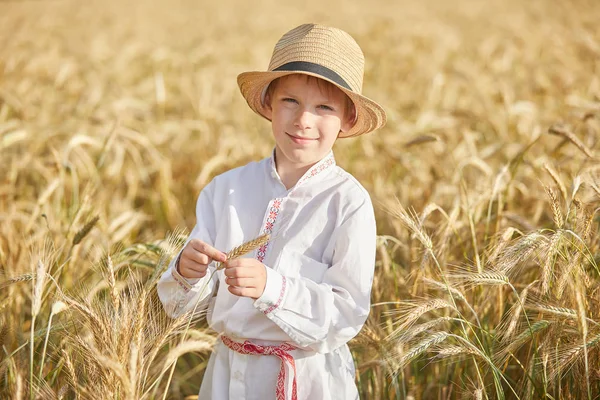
(300, 140)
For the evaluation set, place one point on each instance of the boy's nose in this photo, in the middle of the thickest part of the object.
(304, 120)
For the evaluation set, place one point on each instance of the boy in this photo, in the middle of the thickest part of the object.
(284, 316)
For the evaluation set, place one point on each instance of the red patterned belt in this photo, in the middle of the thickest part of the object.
(279, 351)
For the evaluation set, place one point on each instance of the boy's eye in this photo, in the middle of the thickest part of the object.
(326, 107)
(289, 100)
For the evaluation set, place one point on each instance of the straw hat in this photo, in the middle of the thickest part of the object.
(327, 53)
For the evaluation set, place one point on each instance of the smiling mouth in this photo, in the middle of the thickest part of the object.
(300, 138)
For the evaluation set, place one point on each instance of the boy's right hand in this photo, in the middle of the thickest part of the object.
(195, 257)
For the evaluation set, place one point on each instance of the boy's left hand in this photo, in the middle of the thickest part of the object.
(246, 277)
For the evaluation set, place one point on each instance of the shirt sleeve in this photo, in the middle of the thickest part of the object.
(323, 316)
(178, 294)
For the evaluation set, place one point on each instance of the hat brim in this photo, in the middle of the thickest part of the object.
(369, 115)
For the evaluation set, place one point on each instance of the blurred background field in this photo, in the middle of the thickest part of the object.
(486, 182)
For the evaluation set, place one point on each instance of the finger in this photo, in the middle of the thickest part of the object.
(193, 274)
(239, 272)
(241, 282)
(232, 263)
(242, 292)
(196, 256)
(242, 262)
(186, 263)
(207, 249)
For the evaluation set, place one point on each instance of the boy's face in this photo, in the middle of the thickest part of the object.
(306, 117)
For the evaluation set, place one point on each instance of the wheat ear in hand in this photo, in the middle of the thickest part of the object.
(245, 248)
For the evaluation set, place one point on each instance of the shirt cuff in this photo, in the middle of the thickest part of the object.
(183, 282)
(274, 292)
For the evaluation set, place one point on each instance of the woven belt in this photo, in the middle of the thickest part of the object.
(279, 351)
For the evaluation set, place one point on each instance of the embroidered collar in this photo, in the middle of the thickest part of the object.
(326, 162)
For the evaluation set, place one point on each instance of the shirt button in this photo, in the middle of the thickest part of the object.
(237, 375)
(273, 174)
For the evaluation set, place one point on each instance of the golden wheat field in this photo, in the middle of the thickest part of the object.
(485, 180)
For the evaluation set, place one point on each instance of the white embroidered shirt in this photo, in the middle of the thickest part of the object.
(319, 262)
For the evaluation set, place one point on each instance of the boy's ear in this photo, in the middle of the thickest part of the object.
(268, 108)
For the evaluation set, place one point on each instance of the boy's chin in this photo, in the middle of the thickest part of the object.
(303, 156)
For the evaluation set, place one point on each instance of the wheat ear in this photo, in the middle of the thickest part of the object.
(16, 279)
(245, 248)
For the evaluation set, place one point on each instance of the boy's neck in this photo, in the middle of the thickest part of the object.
(289, 173)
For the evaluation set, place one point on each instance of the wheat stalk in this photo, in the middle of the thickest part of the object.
(563, 131)
(517, 253)
(587, 226)
(40, 278)
(71, 371)
(501, 245)
(581, 310)
(57, 308)
(568, 356)
(88, 313)
(565, 312)
(183, 348)
(405, 335)
(577, 181)
(453, 351)
(562, 283)
(415, 311)
(483, 278)
(3, 333)
(411, 221)
(520, 339)
(161, 339)
(140, 319)
(18, 386)
(85, 230)
(114, 293)
(507, 334)
(556, 180)
(441, 286)
(114, 366)
(555, 205)
(134, 354)
(38, 288)
(422, 346)
(548, 267)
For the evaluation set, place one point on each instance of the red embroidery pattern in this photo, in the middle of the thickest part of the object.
(268, 228)
(184, 287)
(279, 351)
(318, 168)
(181, 285)
(178, 278)
(281, 292)
(321, 166)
